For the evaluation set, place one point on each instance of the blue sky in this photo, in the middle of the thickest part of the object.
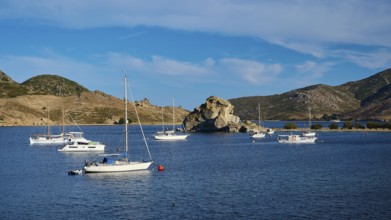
(190, 50)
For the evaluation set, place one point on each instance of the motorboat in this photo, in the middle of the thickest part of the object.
(295, 139)
(77, 143)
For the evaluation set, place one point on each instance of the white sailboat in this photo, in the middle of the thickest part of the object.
(77, 143)
(120, 162)
(309, 133)
(170, 135)
(258, 134)
(48, 138)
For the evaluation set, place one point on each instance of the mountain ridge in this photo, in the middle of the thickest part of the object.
(27, 103)
(368, 98)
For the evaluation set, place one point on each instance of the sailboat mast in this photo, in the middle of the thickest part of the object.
(48, 124)
(126, 116)
(63, 126)
(173, 115)
(309, 117)
(259, 115)
(162, 119)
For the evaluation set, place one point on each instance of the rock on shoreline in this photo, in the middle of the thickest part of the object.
(215, 115)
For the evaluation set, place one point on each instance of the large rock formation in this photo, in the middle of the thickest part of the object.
(213, 116)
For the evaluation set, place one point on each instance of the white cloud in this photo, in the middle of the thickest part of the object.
(159, 65)
(222, 71)
(306, 26)
(251, 71)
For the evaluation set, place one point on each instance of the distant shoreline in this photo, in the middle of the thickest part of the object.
(178, 125)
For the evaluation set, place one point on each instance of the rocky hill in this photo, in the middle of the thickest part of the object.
(53, 85)
(28, 103)
(368, 98)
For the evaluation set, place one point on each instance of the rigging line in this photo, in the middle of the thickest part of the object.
(74, 122)
(139, 122)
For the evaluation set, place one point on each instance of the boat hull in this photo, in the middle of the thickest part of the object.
(308, 134)
(171, 137)
(258, 135)
(295, 139)
(43, 140)
(83, 148)
(121, 167)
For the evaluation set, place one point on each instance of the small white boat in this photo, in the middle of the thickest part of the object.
(47, 139)
(258, 135)
(308, 133)
(295, 139)
(169, 135)
(120, 162)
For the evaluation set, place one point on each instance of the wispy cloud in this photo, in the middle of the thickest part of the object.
(251, 71)
(159, 65)
(132, 35)
(222, 71)
(312, 69)
(305, 26)
(371, 59)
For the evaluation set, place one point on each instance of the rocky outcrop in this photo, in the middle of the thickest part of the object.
(216, 115)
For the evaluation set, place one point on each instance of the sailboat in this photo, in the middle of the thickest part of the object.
(170, 134)
(258, 134)
(308, 133)
(48, 138)
(120, 162)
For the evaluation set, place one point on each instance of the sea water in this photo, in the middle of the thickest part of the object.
(346, 175)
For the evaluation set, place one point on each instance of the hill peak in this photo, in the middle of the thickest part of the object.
(53, 85)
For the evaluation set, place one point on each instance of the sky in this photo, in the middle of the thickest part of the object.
(190, 50)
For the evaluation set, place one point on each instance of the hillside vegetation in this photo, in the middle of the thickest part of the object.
(28, 103)
(368, 98)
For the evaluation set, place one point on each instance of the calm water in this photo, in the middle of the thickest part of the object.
(208, 176)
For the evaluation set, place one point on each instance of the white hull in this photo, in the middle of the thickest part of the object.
(308, 134)
(258, 135)
(170, 137)
(46, 140)
(117, 167)
(295, 139)
(92, 146)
